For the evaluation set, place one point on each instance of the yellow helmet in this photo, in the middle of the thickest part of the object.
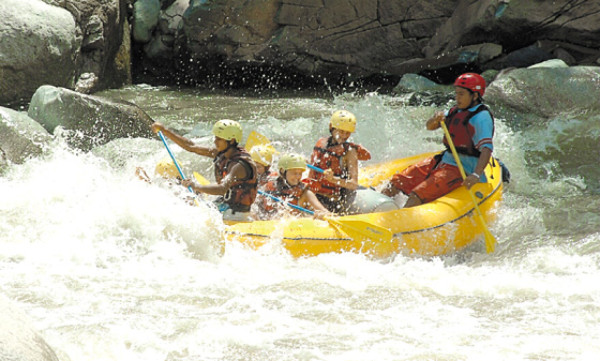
(344, 120)
(167, 169)
(228, 129)
(291, 161)
(262, 154)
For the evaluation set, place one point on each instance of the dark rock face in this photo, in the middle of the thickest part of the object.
(270, 43)
(345, 40)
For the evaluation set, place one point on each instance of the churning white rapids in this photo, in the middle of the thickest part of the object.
(110, 268)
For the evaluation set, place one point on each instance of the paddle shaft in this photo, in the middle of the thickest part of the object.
(490, 241)
(286, 203)
(162, 137)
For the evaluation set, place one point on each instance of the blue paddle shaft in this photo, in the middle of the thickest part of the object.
(162, 137)
(282, 201)
(316, 169)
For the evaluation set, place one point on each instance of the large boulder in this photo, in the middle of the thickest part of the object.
(20, 136)
(89, 120)
(19, 341)
(76, 44)
(335, 38)
(538, 89)
(39, 45)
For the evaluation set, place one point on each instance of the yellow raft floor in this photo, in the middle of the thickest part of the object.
(443, 226)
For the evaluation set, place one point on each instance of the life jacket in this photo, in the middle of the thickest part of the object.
(264, 178)
(327, 155)
(461, 131)
(281, 189)
(241, 194)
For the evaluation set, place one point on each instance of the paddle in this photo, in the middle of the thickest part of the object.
(162, 137)
(255, 139)
(355, 229)
(490, 241)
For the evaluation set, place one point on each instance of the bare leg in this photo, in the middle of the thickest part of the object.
(390, 190)
(412, 201)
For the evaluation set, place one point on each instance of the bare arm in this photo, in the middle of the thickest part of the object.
(184, 142)
(238, 172)
(434, 122)
(484, 159)
(308, 197)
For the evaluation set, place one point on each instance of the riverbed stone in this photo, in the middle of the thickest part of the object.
(88, 120)
(20, 136)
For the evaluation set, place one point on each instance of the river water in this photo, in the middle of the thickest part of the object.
(111, 268)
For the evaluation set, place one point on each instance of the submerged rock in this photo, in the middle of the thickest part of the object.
(20, 136)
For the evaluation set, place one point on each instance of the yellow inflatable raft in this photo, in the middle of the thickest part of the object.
(443, 226)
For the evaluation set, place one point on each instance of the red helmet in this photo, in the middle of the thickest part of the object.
(473, 82)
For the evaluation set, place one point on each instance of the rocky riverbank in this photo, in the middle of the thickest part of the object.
(90, 45)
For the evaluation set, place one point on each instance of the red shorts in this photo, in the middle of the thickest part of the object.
(427, 181)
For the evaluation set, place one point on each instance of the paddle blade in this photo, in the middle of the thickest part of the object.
(361, 229)
(255, 139)
(200, 179)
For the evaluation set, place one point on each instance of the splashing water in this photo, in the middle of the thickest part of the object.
(113, 268)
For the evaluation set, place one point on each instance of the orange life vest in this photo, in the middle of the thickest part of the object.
(241, 194)
(281, 189)
(461, 131)
(327, 155)
(264, 178)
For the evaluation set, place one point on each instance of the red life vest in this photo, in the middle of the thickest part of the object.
(461, 131)
(241, 194)
(281, 189)
(265, 177)
(327, 155)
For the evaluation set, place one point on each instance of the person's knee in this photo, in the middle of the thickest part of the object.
(413, 200)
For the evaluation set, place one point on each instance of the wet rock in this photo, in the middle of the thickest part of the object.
(523, 57)
(20, 136)
(538, 89)
(87, 83)
(88, 120)
(3, 162)
(415, 83)
(94, 34)
(145, 18)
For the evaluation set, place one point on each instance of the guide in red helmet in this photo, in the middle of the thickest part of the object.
(471, 127)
